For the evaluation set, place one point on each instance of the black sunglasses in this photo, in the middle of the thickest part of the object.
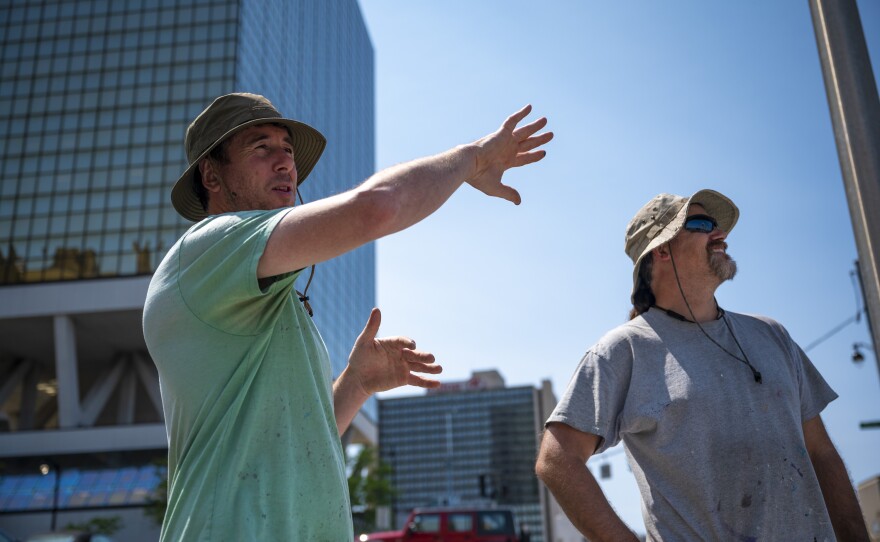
(700, 224)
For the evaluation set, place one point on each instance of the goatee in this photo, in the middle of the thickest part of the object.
(721, 264)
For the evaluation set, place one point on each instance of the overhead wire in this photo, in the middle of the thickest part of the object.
(855, 318)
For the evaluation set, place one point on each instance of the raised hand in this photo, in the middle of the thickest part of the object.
(390, 362)
(506, 148)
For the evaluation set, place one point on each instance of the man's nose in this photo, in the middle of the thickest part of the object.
(284, 161)
(717, 235)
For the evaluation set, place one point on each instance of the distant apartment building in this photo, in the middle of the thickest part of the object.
(470, 443)
(95, 98)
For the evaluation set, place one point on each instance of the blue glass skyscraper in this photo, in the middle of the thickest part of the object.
(95, 98)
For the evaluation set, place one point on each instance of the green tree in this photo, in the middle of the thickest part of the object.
(106, 525)
(369, 486)
(158, 502)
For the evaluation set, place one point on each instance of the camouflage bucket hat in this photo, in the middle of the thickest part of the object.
(660, 220)
(224, 117)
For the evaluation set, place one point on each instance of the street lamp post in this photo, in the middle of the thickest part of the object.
(45, 469)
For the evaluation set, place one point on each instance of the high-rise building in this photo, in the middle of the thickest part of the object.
(469, 444)
(95, 98)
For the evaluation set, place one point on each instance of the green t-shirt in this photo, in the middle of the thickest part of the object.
(253, 448)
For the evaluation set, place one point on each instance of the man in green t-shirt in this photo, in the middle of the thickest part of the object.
(252, 413)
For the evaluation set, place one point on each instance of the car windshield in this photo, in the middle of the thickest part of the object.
(495, 522)
(426, 523)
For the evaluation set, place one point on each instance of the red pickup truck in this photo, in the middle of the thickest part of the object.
(452, 525)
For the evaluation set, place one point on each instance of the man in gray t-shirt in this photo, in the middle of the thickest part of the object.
(718, 412)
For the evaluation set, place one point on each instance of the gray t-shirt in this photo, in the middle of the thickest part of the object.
(716, 455)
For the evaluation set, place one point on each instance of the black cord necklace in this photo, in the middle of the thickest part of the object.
(744, 359)
(303, 296)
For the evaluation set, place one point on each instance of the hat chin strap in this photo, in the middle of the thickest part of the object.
(302, 295)
(745, 359)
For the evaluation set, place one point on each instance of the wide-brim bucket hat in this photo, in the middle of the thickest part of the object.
(660, 220)
(225, 116)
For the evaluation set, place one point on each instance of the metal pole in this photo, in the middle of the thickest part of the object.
(45, 469)
(55, 493)
(855, 115)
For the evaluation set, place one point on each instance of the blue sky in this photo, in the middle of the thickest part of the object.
(644, 97)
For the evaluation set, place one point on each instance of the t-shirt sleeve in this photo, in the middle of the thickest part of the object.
(814, 391)
(595, 397)
(218, 272)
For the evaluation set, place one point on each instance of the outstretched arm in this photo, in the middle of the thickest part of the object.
(398, 197)
(376, 365)
(562, 466)
(837, 490)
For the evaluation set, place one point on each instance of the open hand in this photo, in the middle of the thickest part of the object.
(506, 148)
(390, 362)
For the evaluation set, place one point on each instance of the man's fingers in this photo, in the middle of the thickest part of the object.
(372, 327)
(514, 119)
(422, 382)
(500, 190)
(430, 368)
(507, 192)
(417, 356)
(528, 158)
(398, 343)
(534, 142)
(529, 129)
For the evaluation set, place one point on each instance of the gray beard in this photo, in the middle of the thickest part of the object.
(722, 265)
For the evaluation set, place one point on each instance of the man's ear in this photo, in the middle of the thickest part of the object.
(210, 178)
(661, 253)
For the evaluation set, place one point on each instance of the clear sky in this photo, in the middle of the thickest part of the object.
(644, 97)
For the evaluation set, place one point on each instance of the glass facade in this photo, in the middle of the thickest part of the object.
(331, 88)
(472, 448)
(80, 488)
(95, 98)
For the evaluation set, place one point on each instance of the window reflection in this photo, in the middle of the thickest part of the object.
(80, 488)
